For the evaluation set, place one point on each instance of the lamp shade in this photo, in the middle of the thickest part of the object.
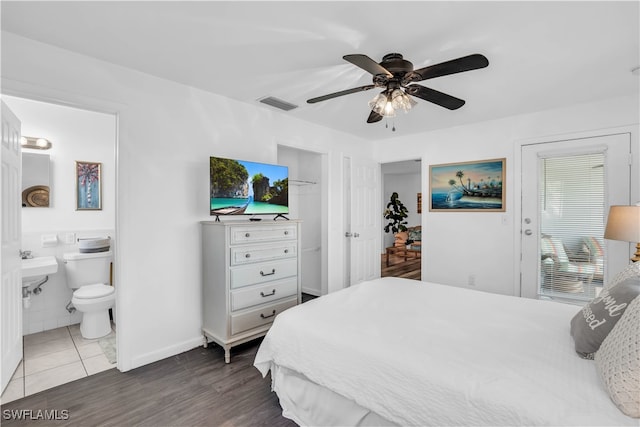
(623, 224)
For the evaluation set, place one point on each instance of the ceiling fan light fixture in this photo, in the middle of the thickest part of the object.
(389, 111)
(397, 76)
(388, 102)
(402, 101)
(381, 104)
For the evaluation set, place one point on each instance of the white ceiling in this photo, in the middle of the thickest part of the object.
(542, 54)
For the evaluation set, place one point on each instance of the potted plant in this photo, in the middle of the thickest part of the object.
(396, 213)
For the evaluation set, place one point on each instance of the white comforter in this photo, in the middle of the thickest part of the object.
(419, 353)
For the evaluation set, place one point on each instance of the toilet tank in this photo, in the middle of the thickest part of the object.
(87, 268)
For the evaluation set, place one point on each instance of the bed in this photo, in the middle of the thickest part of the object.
(394, 351)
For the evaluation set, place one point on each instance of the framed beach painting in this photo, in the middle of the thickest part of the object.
(477, 186)
(88, 186)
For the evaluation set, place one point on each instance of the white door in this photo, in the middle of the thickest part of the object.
(10, 217)
(365, 220)
(346, 222)
(559, 212)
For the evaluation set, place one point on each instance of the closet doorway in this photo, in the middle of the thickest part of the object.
(402, 252)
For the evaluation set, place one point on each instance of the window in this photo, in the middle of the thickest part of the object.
(572, 211)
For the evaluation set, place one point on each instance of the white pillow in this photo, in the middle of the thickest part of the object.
(618, 361)
(631, 270)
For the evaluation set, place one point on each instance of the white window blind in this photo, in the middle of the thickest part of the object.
(572, 201)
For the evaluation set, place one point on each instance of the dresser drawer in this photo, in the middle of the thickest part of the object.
(248, 254)
(240, 234)
(259, 316)
(263, 272)
(261, 294)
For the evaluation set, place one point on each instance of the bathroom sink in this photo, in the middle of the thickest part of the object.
(39, 266)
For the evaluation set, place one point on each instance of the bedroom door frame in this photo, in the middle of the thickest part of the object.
(53, 96)
(520, 226)
(417, 216)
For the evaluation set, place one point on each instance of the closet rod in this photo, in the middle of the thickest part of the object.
(301, 181)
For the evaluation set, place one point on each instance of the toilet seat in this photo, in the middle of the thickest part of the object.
(93, 291)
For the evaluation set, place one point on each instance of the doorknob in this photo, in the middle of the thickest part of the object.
(347, 234)
(528, 232)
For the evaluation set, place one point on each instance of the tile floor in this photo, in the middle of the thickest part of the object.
(52, 358)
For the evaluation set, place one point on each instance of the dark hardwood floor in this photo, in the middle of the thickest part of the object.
(195, 388)
(398, 267)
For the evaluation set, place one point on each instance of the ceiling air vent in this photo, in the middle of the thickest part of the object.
(278, 103)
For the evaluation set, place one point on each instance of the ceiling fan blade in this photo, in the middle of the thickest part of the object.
(432, 95)
(466, 63)
(374, 117)
(337, 94)
(367, 64)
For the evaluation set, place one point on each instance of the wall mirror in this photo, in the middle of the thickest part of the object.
(35, 180)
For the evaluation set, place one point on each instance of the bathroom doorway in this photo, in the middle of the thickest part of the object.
(405, 179)
(54, 352)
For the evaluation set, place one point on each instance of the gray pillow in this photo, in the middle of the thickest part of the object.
(591, 325)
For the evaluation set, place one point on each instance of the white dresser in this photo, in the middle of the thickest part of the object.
(251, 273)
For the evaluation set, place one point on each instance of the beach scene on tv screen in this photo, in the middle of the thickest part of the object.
(240, 187)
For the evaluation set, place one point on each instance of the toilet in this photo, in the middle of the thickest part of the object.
(88, 275)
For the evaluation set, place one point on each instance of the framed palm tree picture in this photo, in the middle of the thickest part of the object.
(88, 186)
(477, 186)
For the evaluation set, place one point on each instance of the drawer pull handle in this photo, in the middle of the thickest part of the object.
(247, 235)
(273, 271)
(247, 255)
(286, 233)
(273, 313)
(286, 251)
(273, 292)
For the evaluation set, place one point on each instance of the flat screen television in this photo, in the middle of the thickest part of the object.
(239, 187)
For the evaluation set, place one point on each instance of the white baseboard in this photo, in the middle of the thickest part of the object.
(165, 352)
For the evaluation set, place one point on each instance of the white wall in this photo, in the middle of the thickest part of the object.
(75, 135)
(458, 244)
(166, 133)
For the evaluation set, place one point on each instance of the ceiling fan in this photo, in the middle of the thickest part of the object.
(397, 76)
